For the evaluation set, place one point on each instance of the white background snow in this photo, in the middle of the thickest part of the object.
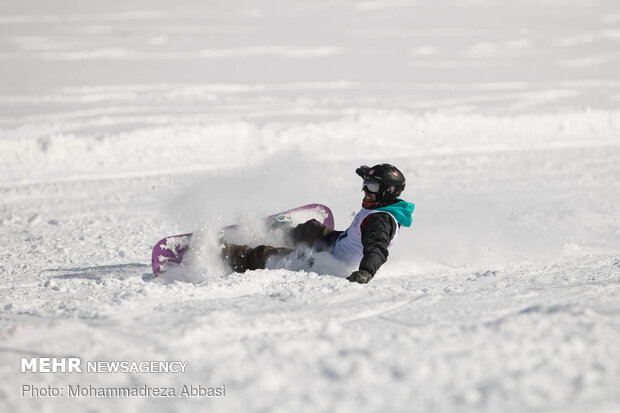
(122, 122)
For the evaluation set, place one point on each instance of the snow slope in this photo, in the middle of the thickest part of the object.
(124, 122)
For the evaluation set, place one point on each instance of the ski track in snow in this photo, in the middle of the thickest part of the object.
(123, 123)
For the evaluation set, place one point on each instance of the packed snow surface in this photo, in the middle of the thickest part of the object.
(125, 122)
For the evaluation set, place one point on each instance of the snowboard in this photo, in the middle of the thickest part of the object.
(170, 250)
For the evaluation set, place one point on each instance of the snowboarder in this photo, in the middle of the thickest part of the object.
(367, 241)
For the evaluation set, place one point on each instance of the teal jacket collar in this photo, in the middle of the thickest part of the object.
(401, 210)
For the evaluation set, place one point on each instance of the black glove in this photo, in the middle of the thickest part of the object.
(362, 170)
(360, 276)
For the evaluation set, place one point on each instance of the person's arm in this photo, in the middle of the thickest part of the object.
(377, 232)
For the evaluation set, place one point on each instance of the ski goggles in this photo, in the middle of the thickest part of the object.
(371, 186)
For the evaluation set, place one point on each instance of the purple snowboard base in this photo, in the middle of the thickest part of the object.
(170, 250)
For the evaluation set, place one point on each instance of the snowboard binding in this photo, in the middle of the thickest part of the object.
(282, 220)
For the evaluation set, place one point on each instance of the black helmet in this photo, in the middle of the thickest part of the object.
(385, 180)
